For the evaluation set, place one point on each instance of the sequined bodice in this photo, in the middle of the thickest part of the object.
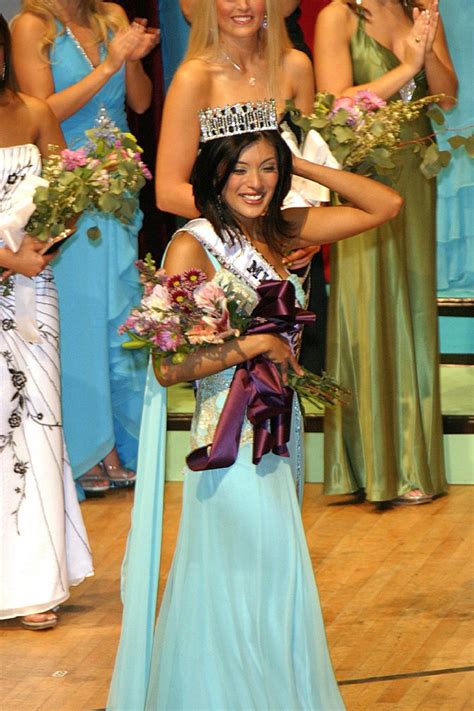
(70, 64)
(211, 396)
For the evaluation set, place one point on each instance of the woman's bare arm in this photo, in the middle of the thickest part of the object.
(185, 252)
(370, 203)
(34, 74)
(334, 27)
(179, 140)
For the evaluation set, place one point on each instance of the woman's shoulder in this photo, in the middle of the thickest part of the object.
(116, 11)
(337, 11)
(28, 23)
(186, 252)
(296, 61)
(196, 70)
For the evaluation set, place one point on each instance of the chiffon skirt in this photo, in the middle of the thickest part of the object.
(240, 625)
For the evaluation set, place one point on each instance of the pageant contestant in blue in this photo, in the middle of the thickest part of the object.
(240, 625)
(84, 59)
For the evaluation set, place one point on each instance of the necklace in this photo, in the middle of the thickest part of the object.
(251, 80)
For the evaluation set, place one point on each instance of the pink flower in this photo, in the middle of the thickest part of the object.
(209, 296)
(73, 159)
(344, 102)
(168, 337)
(159, 298)
(145, 172)
(193, 278)
(369, 101)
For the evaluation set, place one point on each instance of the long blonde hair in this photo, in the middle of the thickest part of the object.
(274, 40)
(99, 18)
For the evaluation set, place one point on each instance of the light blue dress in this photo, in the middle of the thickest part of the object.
(240, 625)
(102, 385)
(455, 205)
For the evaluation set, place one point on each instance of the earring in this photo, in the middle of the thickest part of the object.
(265, 22)
(4, 71)
(220, 208)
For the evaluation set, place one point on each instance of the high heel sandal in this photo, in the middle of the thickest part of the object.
(45, 624)
(412, 499)
(119, 477)
(94, 482)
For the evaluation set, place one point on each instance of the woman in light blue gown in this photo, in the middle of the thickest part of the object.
(83, 58)
(240, 626)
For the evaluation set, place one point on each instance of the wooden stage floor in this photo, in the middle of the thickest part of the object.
(395, 587)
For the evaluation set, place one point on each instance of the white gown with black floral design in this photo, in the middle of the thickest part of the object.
(44, 548)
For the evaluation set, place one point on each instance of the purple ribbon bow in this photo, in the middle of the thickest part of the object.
(256, 388)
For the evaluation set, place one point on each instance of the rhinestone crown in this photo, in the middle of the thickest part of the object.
(238, 118)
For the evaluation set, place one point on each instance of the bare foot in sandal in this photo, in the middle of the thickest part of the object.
(40, 620)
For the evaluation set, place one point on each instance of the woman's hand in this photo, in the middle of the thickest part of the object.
(416, 42)
(130, 44)
(27, 261)
(300, 258)
(433, 25)
(278, 350)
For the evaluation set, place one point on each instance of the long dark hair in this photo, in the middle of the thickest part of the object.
(5, 42)
(213, 166)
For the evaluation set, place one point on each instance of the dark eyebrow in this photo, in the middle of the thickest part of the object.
(243, 162)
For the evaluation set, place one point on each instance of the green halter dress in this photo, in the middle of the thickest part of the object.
(382, 333)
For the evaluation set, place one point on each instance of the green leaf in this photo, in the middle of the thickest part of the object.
(93, 233)
(377, 129)
(108, 202)
(436, 115)
(470, 146)
(343, 134)
(133, 345)
(457, 141)
(444, 157)
(340, 117)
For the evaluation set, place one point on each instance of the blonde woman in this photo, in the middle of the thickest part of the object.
(238, 51)
(83, 58)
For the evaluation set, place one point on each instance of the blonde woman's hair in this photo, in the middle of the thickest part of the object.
(100, 19)
(274, 41)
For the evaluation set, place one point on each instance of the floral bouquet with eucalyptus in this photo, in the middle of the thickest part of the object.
(180, 314)
(104, 175)
(364, 131)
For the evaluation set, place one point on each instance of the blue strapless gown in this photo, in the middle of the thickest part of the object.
(240, 625)
(102, 384)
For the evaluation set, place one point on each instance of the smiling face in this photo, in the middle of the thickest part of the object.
(239, 18)
(251, 184)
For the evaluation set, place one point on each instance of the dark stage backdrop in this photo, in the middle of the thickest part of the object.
(157, 225)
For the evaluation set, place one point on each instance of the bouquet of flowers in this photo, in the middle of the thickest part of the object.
(104, 175)
(182, 313)
(363, 132)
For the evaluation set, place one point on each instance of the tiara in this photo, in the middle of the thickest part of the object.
(238, 118)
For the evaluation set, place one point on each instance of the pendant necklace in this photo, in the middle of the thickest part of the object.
(251, 80)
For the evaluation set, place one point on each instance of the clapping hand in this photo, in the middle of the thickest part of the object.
(132, 43)
(415, 44)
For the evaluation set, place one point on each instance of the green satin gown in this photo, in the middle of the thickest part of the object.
(383, 333)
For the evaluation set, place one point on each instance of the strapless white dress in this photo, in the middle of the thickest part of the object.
(44, 548)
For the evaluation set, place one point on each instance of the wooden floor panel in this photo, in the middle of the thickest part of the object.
(396, 589)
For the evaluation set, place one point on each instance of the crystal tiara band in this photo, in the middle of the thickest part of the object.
(250, 117)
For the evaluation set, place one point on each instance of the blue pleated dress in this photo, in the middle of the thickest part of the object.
(102, 385)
